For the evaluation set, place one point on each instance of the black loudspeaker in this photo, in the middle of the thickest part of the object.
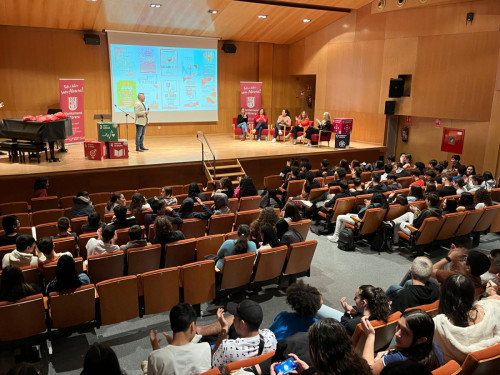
(390, 107)
(396, 87)
(229, 48)
(92, 39)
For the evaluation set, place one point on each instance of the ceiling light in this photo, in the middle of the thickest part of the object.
(306, 20)
(213, 11)
(155, 5)
(92, 1)
(262, 16)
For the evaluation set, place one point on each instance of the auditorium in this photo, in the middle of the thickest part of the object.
(250, 186)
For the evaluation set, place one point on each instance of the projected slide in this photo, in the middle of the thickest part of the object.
(176, 81)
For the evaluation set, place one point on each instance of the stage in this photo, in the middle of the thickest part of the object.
(169, 160)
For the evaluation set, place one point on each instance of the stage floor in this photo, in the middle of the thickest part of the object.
(172, 149)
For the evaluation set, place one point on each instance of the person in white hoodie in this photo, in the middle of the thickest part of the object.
(24, 254)
(464, 325)
(489, 181)
(105, 242)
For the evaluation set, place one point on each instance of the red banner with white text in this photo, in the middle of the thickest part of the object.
(251, 99)
(71, 102)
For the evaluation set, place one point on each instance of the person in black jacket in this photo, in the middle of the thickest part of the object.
(324, 171)
(10, 224)
(392, 183)
(120, 219)
(243, 123)
(447, 188)
(324, 125)
(273, 193)
(375, 185)
(82, 206)
(186, 210)
(328, 206)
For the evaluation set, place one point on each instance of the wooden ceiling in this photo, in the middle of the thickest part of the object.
(235, 20)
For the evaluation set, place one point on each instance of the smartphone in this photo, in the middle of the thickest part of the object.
(285, 367)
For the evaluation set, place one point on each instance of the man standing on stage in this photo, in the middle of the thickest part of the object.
(141, 120)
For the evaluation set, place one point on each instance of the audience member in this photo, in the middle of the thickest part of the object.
(63, 226)
(116, 199)
(414, 340)
(25, 254)
(291, 212)
(40, 187)
(10, 224)
(370, 301)
(273, 193)
(494, 269)
(226, 187)
(246, 188)
(328, 206)
(187, 206)
(105, 242)
(183, 354)
(339, 175)
(164, 231)
(459, 185)
(357, 189)
(220, 204)
(47, 252)
(66, 276)
(455, 162)
(461, 173)
(167, 196)
(239, 246)
(251, 340)
(269, 237)
(463, 325)
(138, 204)
(470, 171)
(430, 175)
(82, 206)
(13, 286)
(415, 178)
(474, 183)
(400, 171)
(489, 181)
(408, 367)
(266, 216)
(136, 239)
(305, 301)
(286, 234)
(194, 192)
(297, 344)
(392, 183)
(94, 223)
(416, 291)
(331, 352)
(160, 208)
(465, 202)
(375, 186)
(482, 199)
(447, 188)
(324, 170)
(120, 220)
(449, 206)
(101, 360)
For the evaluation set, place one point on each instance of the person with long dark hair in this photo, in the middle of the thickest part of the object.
(138, 204)
(13, 285)
(66, 276)
(291, 212)
(449, 206)
(187, 206)
(117, 198)
(466, 202)
(414, 341)
(462, 324)
(261, 123)
(240, 245)
(40, 187)
(247, 188)
(101, 360)
(269, 237)
(370, 301)
(266, 216)
(195, 192)
(331, 351)
(286, 234)
(226, 187)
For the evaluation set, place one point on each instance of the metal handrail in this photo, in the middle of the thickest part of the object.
(202, 150)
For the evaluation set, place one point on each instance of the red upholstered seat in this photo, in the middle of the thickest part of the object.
(325, 137)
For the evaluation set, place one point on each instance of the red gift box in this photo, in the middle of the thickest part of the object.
(342, 125)
(95, 150)
(118, 149)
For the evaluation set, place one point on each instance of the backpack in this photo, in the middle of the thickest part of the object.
(265, 200)
(346, 240)
(382, 240)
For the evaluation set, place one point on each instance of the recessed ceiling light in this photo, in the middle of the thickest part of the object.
(92, 1)
(262, 16)
(155, 5)
(213, 11)
(306, 20)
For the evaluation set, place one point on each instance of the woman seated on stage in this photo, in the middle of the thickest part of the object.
(284, 120)
(116, 199)
(243, 123)
(301, 123)
(260, 123)
(324, 125)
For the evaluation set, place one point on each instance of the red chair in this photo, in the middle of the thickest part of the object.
(238, 132)
(323, 136)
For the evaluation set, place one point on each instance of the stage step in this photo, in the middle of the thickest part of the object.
(220, 175)
(231, 168)
(227, 166)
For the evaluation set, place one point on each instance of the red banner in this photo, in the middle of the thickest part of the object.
(251, 99)
(71, 102)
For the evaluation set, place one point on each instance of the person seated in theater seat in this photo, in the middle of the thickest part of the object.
(465, 202)
(82, 205)
(138, 204)
(449, 206)
(464, 325)
(455, 163)
(494, 271)
(164, 231)
(220, 204)
(286, 234)
(226, 187)
(94, 223)
(305, 301)
(266, 216)
(447, 188)
(101, 359)
(160, 208)
(375, 186)
(136, 240)
(489, 181)
(482, 199)
(13, 287)
(66, 276)
(187, 206)
(183, 354)
(309, 184)
(430, 176)
(392, 183)
(25, 254)
(459, 185)
(63, 226)
(195, 192)
(269, 237)
(40, 187)
(415, 178)
(120, 220)
(430, 187)
(357, 189)
(324, 171)
(462, 169)
(167, 196)
(388, 168)
(400, 171)
(474, 182)
(105, 242)
(47, 252)
(246, 188)
(273, 193)
(327, 208)
(416, 289)
(10, 224)
(241, 245)
(416, 194)
(116, 199)
(291, 213)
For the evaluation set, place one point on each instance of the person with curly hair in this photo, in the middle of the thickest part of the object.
(482, 198)
(138, 204)
(269, 237)
(370, 301)
(164, 231)
(246, 188)
(266, 216)
(305, 301)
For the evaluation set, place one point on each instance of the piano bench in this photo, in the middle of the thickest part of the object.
(11, 148)
(32, 148)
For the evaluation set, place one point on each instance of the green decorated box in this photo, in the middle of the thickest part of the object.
(108, 131)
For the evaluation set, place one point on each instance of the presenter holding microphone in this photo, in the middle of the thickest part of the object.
(141, 120)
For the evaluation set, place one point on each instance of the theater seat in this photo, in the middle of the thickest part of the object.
(245, 217)
(450, 368)
(236, 271)
(431, 308)
(248, 362)
(143, 259)
(105, 266)
(249, 203)
(482, 362)
(22, 319)
(384, 332)
(180, 252)
(198, 282)
(208, 245)
(299, 257)
(451, 223)
(425, 234)
(193, 228)
(118, 300)
(44, 203)
(160, 290)
(269, 264)
(220, 224)
(13, 208)
(65, 244)
(301, 226)
(273, 182)
(72, 307)
(46, 216)
(49, 269)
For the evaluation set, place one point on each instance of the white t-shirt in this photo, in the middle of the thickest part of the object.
(189, 359)
(235, 350)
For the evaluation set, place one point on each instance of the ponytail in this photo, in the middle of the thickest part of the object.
(241, 244)
(378, 302)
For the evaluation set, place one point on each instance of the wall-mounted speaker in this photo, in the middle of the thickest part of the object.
(390, 107)
(400, 3)
(396, 87)
(229, 48)
(92, 39)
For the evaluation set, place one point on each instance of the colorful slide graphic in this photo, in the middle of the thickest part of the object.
(173, 79)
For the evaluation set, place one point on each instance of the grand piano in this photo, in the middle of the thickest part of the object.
(37, 132)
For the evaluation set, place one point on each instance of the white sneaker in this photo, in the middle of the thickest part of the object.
(307, 204)
(258, 140)
(333, 239)
(280, 132)
(294, 141)
(274, 140)
(253, 131)
(288, 135)
(300, 138)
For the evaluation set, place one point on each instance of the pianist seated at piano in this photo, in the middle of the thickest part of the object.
(40, 187)
(82, 205)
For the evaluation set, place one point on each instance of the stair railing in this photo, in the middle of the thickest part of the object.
(203, 151)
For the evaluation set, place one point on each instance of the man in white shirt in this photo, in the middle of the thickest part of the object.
(183, 354)
(251, 340)
(105, 242)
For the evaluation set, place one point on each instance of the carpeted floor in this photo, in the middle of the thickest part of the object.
(334, 272)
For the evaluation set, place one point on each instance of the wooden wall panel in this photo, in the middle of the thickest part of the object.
(454, 76)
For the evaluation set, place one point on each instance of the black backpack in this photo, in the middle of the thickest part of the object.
(346, 240)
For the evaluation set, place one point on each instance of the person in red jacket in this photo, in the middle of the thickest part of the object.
(415, 178)
(301, 124)
(261, 123)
